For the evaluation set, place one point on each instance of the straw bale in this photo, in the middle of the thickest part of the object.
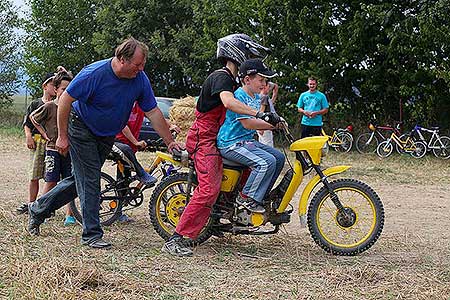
(182, 113)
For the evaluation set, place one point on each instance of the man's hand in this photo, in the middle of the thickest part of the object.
(269, 117)
(62, 145)
(30, 142)
(313, 114)
(175, 145)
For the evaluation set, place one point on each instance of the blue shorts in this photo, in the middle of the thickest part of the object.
(57, 167)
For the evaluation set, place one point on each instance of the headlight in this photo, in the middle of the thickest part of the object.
(325, 149)
(371, 127)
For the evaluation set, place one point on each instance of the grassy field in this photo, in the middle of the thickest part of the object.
(411, 260)
(21, 103)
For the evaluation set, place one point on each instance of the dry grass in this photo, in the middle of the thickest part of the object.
(410, 261)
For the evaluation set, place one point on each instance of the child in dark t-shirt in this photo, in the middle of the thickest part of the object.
(57, 166)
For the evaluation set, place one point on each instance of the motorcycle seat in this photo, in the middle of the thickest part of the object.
(233, 164)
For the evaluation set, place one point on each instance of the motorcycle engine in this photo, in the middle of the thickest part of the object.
(244, 217)
(247, 218)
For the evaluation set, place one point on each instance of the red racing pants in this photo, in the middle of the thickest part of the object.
(201, 145)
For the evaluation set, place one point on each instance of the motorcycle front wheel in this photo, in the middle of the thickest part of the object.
(168, 202)
(351, 230)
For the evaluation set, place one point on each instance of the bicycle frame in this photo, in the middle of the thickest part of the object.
(434, 136)
(333, 140)
(406, 145)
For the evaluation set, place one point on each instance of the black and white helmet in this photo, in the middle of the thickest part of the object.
(238, 48)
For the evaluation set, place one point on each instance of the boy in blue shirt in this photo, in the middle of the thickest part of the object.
(312, 104)
(236, 138)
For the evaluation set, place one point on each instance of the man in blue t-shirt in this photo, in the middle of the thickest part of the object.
(312, 104)
(94, 108)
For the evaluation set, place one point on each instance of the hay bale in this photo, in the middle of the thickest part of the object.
(182, 113)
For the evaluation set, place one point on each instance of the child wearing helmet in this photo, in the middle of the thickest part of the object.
(236, 138)
(215, 98)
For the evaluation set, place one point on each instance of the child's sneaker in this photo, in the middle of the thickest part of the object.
(250, 204)
(148, 179)
(70, 220)
(125, 219)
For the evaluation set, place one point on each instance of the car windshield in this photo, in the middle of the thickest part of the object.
(164, 106)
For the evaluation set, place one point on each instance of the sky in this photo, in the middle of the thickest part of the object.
(19, 3)
(22, 7)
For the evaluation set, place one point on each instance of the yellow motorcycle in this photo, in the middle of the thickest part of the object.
(344, 217)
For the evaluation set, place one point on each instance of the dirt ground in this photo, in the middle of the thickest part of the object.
(411, 259)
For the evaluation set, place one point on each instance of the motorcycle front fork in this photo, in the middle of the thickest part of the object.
(334, 197)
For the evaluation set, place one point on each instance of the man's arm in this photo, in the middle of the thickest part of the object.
(64, 106)
(162, 128)
(319, 112)
(235, 105)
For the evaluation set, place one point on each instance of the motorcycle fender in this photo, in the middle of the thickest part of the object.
(303, 203)
(167, 157)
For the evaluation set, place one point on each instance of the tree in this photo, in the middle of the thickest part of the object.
(9, 53)
(59, 32)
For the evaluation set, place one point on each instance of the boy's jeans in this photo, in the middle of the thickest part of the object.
(264, 161)
(88, 153)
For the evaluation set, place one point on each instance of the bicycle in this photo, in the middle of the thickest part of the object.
(368, 142)
(341, 140)
(439, 144)
(126, 191)
(417, 149)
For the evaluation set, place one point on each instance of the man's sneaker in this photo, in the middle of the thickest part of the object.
(69, 220)
(250, 204)
(98, 244)
(175, 246)
(125, 219)
(22, 209)
(148, 179)
(33, 222)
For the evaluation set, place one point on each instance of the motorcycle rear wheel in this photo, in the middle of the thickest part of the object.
(332, 231)
(167, 203)
(110, 209)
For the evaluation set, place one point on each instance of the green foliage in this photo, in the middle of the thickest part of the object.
(58, 33)
(9, 53)
(367, 55)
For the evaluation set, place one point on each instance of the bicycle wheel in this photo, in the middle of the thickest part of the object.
(384, 149)
(110, 207)
(420, 150)
(441, 147)
(351, 230)
(167, 203)
(345, 140)
(366, 143)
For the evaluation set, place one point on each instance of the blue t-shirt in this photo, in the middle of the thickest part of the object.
(104, 101)
(312, 102)
(232, 130)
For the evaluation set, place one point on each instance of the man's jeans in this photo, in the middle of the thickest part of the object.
(88, 153)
